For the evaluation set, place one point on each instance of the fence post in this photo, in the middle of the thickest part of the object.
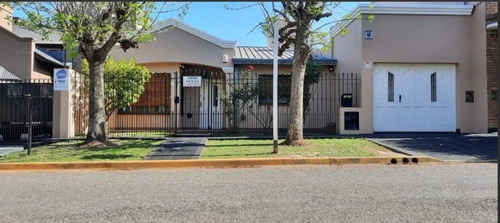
(28, 98)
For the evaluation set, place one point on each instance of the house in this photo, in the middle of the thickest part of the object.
(425, 66)
(26, 67)
(196, 69)
(417, 67)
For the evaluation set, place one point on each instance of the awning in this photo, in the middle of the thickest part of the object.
(45, 57)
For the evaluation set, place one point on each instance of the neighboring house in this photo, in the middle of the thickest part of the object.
(423, 67)
(216, 66)
(26, 67)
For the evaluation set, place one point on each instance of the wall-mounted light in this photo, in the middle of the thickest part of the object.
(330, 69)
(224, 58)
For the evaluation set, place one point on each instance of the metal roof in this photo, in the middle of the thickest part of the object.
(54, 38)
(6, 75)
(264, 55)
(47, 57)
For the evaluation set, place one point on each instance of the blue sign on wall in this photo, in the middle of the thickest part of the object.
(61, 79)
(368, 34)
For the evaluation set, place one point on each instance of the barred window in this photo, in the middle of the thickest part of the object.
(155, 99)
(265, 88)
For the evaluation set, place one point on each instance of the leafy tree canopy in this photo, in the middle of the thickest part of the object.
(124, 82)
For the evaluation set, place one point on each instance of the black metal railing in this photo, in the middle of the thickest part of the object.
(199, 100)
(14, 96)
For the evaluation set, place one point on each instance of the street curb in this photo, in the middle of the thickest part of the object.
(216, 163)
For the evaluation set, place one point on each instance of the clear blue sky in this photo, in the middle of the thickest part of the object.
(235, 25)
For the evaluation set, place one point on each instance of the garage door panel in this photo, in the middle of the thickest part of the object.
(427, 98)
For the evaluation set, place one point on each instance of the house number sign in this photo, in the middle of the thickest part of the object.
(191, 81)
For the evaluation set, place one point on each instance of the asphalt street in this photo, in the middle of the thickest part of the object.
(457, 192)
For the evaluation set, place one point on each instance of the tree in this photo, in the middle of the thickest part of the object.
(92, 29)
(311, 77)
(298, 33)
(124, 83)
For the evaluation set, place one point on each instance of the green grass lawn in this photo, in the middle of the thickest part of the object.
(225, 149)
(69, 151)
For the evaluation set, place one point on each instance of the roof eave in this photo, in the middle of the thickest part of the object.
(195, 31)
(48, 58)
(401, 9)
(241, 61)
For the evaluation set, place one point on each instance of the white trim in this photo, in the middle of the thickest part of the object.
(492, 26)
(417, 9)
(403, 9)
(197, 32)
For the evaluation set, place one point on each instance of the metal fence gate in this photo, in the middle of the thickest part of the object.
(204, 101)
(14, 96)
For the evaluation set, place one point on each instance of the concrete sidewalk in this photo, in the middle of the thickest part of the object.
(178, 148)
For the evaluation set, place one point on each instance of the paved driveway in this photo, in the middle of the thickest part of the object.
(443, 146)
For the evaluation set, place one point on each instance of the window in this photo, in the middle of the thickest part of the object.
(433, 88)
(155, 99)
(390, 86)
(265, 89)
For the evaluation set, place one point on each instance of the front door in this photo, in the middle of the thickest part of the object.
(414, 98)
(210, 104)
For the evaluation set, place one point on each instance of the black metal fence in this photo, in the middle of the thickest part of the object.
(14, 96)
(206, 101)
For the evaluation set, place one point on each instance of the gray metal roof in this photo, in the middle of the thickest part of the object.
(47, 57)
(264, 55)
(21, 32)
(6, 75)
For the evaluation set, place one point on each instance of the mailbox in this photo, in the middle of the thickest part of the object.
(346, 100)
(351, 121)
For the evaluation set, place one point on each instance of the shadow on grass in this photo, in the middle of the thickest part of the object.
(106, 157)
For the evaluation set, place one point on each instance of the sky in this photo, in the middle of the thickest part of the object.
(234, 25)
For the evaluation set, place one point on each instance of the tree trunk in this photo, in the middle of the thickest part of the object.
(97, 113)
(295, 136)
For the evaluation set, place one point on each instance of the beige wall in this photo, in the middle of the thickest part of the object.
(420, 39)
(348, 48)
(176, 45)
(41, 71)
(479, 113)
(16, 53)
(63, 111)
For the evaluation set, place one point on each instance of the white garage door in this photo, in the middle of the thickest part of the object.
(414, 98)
